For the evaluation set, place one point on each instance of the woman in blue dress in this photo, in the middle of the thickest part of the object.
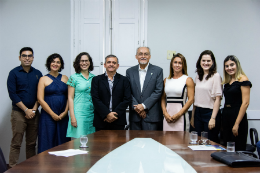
(52, 96)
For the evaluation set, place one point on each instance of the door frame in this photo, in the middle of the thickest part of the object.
(76, 28)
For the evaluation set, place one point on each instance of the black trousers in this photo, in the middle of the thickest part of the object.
(201, 122)
(229, 118)
(111, 126)
(142, 125)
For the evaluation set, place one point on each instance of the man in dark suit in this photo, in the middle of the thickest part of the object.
(147, 86)
(111, 95)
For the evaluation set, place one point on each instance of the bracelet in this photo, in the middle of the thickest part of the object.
(25, 109)
(213, 118)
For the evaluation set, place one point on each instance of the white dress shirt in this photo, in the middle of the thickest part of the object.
(142, 74)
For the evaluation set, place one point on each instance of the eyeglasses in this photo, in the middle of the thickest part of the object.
(25, 56)
(145, 54)
(82, 61)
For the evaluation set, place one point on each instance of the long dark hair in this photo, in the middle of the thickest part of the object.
(212, 69)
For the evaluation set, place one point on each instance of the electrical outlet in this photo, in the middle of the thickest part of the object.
(170, 54)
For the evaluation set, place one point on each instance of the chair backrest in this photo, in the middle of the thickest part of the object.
(3, 166)
(253, 136)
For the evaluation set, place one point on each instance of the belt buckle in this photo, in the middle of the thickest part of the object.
(228, 106)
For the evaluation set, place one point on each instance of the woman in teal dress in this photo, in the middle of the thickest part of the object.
(79, 98)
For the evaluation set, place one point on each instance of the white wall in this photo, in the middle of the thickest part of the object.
(227, 27)
(190, 27)
(43, 25)
(187, 26)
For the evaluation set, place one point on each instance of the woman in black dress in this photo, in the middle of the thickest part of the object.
(237, 96)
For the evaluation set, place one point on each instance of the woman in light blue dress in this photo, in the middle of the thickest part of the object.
(79, 97)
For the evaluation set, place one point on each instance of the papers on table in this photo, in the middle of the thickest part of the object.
(69, 152)
(206, 147)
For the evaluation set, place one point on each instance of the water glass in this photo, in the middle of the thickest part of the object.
(83, 141)
(204, 137)
(230, 146)
(193, 137)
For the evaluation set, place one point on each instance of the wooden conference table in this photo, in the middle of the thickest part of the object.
(103, 142)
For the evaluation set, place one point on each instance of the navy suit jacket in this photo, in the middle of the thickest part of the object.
(150, 95)
(121, 98)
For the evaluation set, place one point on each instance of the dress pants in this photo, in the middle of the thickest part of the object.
(201, 122)
(143, 125)
(20, 124)
(111, 126)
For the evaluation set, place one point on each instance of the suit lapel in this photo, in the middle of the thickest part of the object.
(116, 80)
(148, 77)
(137, 78)
(105, 82)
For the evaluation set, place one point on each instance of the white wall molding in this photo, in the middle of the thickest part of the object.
(253, 114)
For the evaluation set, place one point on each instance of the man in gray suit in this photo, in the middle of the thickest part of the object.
(147, 86)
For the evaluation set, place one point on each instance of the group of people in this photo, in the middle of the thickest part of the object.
(100, 102)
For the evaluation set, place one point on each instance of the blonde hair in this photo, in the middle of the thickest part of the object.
(239, 72)
(184, 65)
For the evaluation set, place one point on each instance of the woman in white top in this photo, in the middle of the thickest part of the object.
(176, 89)
(208, 93)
